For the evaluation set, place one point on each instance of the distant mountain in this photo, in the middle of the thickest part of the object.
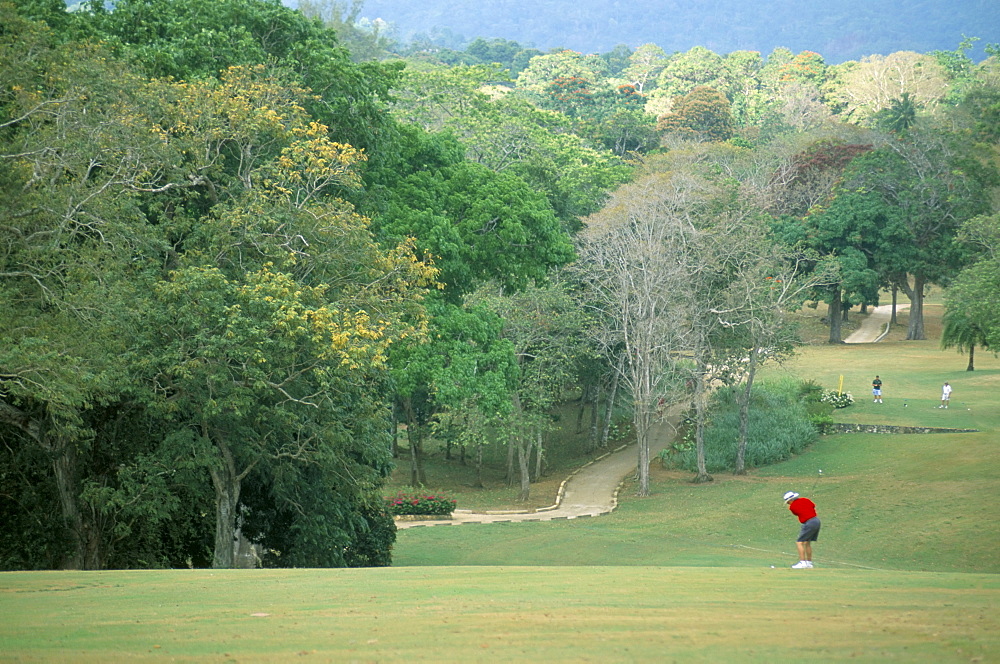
(836, 29)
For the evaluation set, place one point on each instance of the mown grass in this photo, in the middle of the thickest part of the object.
(500, 614)
(907, 566)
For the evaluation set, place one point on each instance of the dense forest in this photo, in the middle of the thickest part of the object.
(251, 257)
(841, 30)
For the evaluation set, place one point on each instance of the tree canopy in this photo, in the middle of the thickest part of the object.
(239, 243)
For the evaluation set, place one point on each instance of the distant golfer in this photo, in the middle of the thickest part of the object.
(877, 390)
(805, 510)
(945, 395)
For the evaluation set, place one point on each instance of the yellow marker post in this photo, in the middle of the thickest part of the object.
(840, 385)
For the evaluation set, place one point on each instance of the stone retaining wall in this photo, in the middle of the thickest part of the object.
(888, 428)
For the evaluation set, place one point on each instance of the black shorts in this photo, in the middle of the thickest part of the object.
(810, 530)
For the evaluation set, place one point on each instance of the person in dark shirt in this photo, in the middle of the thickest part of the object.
(877, 389)
(805, 510)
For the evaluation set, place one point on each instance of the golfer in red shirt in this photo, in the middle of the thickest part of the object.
(805, 510)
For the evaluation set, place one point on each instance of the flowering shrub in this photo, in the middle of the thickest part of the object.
(841, 400)
(419, 503)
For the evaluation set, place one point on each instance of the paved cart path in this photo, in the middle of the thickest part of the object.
(590, 491)
(875, 326)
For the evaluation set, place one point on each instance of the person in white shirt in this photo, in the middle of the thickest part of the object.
(945, 395)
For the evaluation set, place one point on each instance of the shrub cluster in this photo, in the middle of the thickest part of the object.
(372, 546)
(837, 399)
(819, 412)
(779, 426)
(419, 503)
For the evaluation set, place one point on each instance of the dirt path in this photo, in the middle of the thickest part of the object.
(590, 491)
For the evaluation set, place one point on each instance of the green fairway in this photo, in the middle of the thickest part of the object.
(488, 614)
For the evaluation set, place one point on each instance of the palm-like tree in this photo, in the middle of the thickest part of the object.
(962, 334)
(899, 115)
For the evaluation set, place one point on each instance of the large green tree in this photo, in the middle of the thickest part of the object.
(506, 133)
(461, 376)
(918, 190)
(683, 72)
(189, 39)
(270, 335)
(77, 152)
(179, 262)
(972, 316)
(545, 329)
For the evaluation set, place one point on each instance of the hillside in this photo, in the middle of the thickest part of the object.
(841, 30)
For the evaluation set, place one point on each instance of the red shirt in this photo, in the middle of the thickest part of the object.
(802, 508)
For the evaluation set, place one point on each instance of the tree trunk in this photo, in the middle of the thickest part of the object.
(510, 463)
(833, 313)
(584, 398)
(520, 439)
(895, 293)
(642, 441)
(86, 550)
(523, 448)
(972, 358)
(227, 483)
(479, 465)
(915, 330)
(594, 418)
(540, 454)
(699, 409)
(744, 405)
(395, 435)
(85, 542)
(417, 475)
(609, 412)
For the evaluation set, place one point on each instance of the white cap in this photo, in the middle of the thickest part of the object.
(791, 495)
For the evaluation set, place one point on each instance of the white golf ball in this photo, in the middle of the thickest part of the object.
(772, 566)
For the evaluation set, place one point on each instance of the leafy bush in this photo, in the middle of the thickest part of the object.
(372, 546)
(779, 426)
(418, 504)
(809, 391)
(818, 411)
(838, 399)
(822, 422)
